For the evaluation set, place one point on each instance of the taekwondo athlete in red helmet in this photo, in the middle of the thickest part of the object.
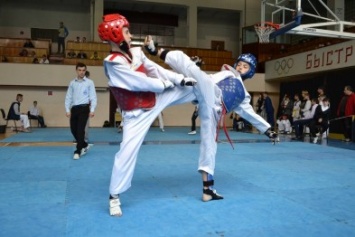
(142, 89)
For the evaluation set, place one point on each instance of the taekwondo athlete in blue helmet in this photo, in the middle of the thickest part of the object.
(217, 94)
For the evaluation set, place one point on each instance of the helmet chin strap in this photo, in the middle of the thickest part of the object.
(243, 75)
(124, 47)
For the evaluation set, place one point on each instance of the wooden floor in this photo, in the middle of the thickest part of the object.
(7, 133)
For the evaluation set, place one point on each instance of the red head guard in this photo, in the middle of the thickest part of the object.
(111, 28)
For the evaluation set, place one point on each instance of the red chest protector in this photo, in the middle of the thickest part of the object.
(130, 100)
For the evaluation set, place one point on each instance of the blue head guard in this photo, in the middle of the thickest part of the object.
(251, 60)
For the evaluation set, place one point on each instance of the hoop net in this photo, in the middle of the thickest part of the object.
(264, 30)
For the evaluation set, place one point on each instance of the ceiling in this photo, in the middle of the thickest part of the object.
(136, 6)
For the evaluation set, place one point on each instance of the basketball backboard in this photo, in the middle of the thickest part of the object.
(289, 15)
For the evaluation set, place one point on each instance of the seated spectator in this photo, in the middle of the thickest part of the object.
(44, 59)
(320, 122)
(119, 119)
(197, 60)
(15, 114)
(77, 40)
(71, 54)
(35, 60)
(296, 111)
(28, 44)
(95, 56)
(23, 53)
(82, 55)
(286, 107)
(305, 120)
(84, 40)
(4, 59)
(32, 53)
(306, 105)
(238, 122)
(35, 113)
(284, 124)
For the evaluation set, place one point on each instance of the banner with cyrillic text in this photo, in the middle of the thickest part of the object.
(323, 59)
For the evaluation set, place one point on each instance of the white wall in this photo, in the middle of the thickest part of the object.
(48, 84)
(36, 82)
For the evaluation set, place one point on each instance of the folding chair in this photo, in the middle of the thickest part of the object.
(32, 118)
(7, 120)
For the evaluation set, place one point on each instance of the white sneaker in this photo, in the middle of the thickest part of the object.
(162, 129)
(115, 207)
(315, 140)
(76, 156)
(192, 133)
(84, 150)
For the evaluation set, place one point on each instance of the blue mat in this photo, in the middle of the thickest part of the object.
(290, 189)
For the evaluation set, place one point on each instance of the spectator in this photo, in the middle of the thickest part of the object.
(193, 121)
(77, 40)
(305, 105)
(35, 60)
(260, 108)
(296, 111)
(346, 110)
(305, 120)
(284, 124)
(321, 97)
(197, 60)
(84, 40)
(62, 35)
(4, 59)
(95, 56)
(321, 92)
(35, 113)
(119, 121)
(286, 107)
(71, 54)
(32, 53)
(28, 44)
(238, 122)
(44, 59)
(81, 55)
(23, 53)
(15, 113)
(161, 122)
(320, 121)
(269, 109)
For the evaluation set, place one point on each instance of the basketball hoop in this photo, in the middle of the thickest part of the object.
(264, 30)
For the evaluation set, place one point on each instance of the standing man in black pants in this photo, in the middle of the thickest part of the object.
(193, 121)
(80, 103)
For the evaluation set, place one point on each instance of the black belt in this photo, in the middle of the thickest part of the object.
(82, 105)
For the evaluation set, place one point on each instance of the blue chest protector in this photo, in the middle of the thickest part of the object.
(233, 92)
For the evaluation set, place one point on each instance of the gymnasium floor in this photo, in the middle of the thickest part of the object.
(288, 189)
